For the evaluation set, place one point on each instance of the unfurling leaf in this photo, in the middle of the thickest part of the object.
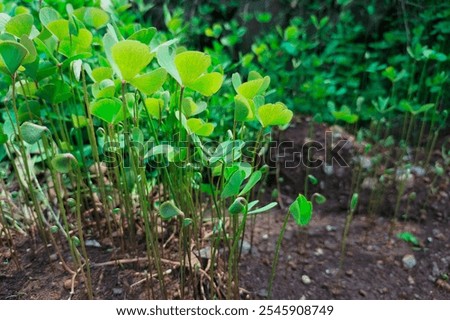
(31, 132)
(301, 210)
(238, 206)
(354, 202)
(63, 162)
(168, 210)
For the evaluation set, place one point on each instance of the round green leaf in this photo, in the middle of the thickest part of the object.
(274, 115)
(59, 28)
(104, 89)
(20, 25)
(102, 73)
(47, 15)
(131, 57)
(93, 17)
(76, 44)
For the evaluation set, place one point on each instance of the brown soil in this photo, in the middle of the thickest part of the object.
(372, 268)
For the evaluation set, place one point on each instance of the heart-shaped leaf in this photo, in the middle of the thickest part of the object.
(93, 17)
(11, 56)
(131, 57)
(207, 84)
(245, 166)
(252, 88)
(150, 82)
(301, 210)
(190, 108)
(79, 121)
(191, 65)
(76, 44)
(20, 25)
(104, 89)
(162, 149)
(254, 75)
(109, 110)
(199, 127)
(274, 115)
(424, 108)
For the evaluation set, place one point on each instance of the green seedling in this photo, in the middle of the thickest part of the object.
(301, 211)
(408, 237)
(348, 221)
